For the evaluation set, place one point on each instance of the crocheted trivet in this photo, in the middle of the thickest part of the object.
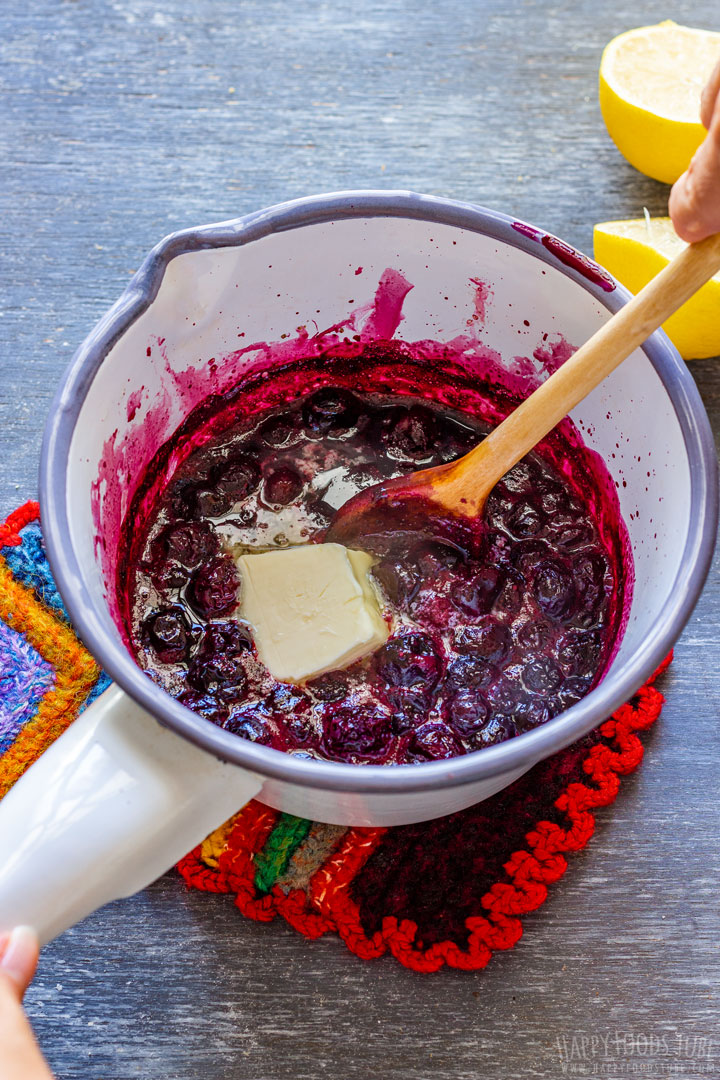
(449, 891)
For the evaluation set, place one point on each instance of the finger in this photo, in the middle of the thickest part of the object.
(709, 96)
(20, 1057)
(695, 198)
(19, 957)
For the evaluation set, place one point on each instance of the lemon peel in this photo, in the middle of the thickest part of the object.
(634, 252)
(651, 79)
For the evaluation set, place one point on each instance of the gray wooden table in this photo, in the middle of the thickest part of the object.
(121, 121)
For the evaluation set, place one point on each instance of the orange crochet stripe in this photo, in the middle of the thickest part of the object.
(75, 674)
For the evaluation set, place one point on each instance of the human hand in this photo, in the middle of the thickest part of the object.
(695, 197)
(20, 1057)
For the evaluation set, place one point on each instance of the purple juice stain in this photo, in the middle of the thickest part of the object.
(483, 292)
(568, 255)
(133, 404)
(552, 353)
(575, 259)
(528, 230)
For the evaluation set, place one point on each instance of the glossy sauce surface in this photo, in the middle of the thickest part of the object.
(482, 647)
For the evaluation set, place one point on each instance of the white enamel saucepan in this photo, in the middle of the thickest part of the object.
(138, 779)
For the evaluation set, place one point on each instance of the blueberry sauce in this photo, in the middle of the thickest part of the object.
(484, 644)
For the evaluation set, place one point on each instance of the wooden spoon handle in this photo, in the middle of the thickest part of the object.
(476, 474)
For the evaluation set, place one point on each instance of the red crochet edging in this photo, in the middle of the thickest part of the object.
(328, 905)
(10, 529)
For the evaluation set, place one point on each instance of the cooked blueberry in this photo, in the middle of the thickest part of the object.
(491, 641)
(586, 618)
(207, 502)
(530, 713)
(542, 676)
(181, 500)
(535, 636)
(219, 675)
(189, 542)
(356, 728)
(237, 478)
(213, 589)
(467, 712)
(524, 520)
(469, 672)
(499, 549)
(544, 483)
(475, 595)
(300, 727)
(290, 707)
(572, 690)
(498, 509)
(497, 729)
(590, 572)
(282, 486)
(409, 704)
(226, 484)
(227, 638)
(509, 600)
(398, 581)
(573, 535)
(412, 432)
(409, 660)
(579, 651)
(333, 686)
(278, 431)
(285, 699)
(555, 503)
(502, 695)
(528, 556)
(554, 589)
(519, 481)
(166, 575)
(168, 633)
(433, 742)
(251, 722)
(434, 557)
(205, 705)
(330, 411)
(457, 440)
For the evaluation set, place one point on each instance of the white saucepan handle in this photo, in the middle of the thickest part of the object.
(110, 806)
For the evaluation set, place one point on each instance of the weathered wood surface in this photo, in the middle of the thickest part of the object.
(122, 121)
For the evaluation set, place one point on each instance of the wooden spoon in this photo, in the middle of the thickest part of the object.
(441, 502)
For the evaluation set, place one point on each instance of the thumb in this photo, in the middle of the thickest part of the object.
(20, 1057)
(19, 957)
(695, 198)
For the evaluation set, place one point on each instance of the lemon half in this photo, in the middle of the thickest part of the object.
(651, 79)
(634, 252)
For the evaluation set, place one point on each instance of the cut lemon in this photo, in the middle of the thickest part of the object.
(634, 252)
(650, 85)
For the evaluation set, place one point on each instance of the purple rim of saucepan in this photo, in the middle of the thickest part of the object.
(93, 622)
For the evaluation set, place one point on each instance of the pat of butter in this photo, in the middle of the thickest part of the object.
(312, 609)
